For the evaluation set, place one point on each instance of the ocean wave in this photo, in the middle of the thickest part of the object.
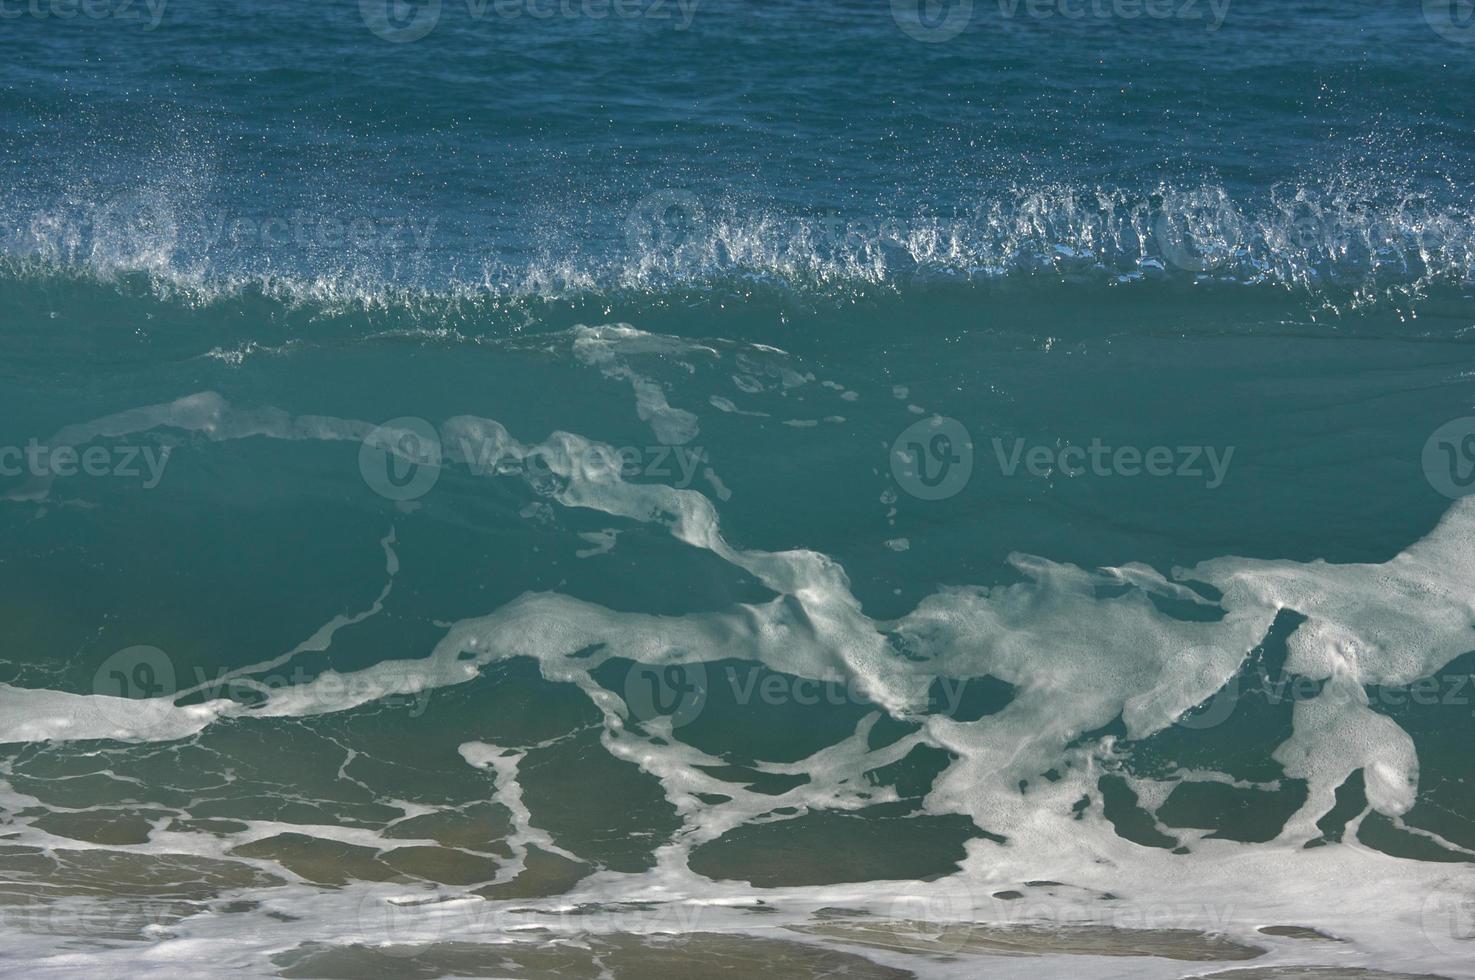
(1340, 245)
(1077, 647)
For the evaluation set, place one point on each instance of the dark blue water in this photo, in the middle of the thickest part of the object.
(868, 486)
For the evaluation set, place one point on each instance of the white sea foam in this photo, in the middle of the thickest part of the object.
(1081, 648)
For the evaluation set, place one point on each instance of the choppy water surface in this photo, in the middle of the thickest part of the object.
(853, 488)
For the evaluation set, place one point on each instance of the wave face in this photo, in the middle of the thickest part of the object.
(623, 496)
(1148, 160)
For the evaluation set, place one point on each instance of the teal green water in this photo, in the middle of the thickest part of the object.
(470, 478)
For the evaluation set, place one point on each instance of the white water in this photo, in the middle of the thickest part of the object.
(1077, 660)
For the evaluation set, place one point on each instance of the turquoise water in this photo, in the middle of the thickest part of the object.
(548, 488)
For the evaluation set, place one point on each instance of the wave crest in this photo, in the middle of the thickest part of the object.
(1336, 246)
